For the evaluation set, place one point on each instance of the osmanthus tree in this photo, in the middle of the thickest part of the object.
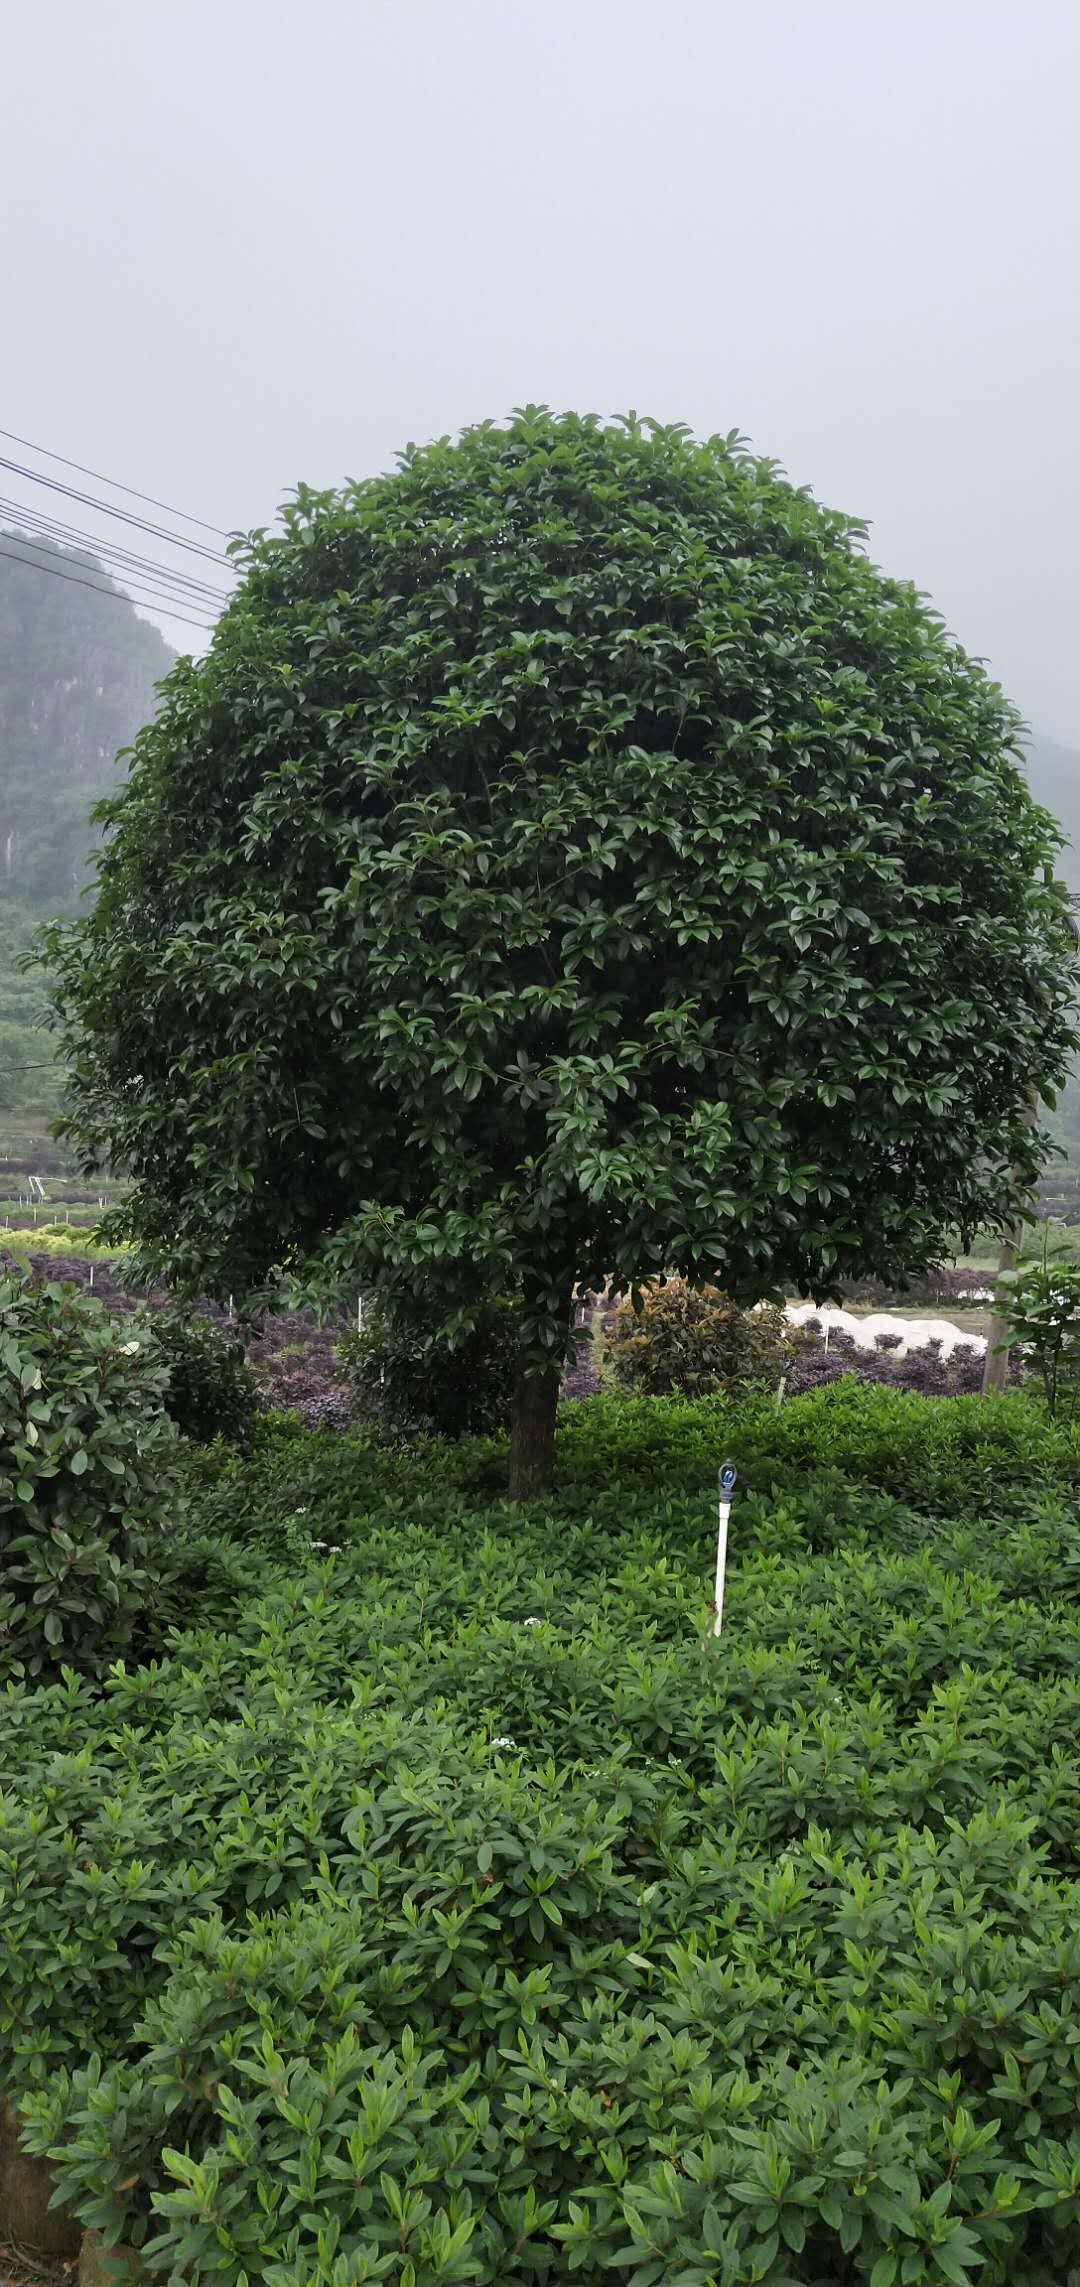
(573, 861)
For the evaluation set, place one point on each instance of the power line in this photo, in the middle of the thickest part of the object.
(130, 572)
(114, 594)
(90, 500)
(113, 482)
(149, 588)
(42, 521)
(74, 535)
(151, 591)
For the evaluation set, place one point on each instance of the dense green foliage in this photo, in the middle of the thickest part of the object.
(211, 1390)
(77, 677)
(86, 1457)
(696, 1341)
(572, 859)
(405, 1375)
(1040, 1304)
(442, 1905)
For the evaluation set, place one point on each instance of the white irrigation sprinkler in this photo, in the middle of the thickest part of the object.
(727, 1487)
(91, 1275)
(780, 1392)
(359, 1313)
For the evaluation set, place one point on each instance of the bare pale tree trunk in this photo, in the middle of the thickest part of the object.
(996, 1366)
(532, 1424)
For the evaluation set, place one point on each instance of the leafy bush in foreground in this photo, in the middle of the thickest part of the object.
(456, 1908)
(86, 1457)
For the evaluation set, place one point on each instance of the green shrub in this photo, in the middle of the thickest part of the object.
(59, 1238)
(409, 1380)
(695, 1341)
(1040, 1303)
(86, 1474)
(211, 1390)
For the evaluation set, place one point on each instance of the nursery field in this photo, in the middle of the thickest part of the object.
(429, 1896)
(295, 1357)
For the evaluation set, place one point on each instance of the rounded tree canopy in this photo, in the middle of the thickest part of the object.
(574, 860)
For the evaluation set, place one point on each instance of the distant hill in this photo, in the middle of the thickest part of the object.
(77, 677)
(1054, 777)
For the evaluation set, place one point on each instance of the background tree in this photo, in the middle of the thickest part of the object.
(573, 860)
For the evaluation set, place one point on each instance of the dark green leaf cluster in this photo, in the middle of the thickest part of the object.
(572, 860)
(696, 1341)
(1040, 1303)
(455, 1908)
(86, 1473)
(211, 1390)
(406, 1376)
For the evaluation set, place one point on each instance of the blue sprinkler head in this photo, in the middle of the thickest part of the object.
(728, 1474)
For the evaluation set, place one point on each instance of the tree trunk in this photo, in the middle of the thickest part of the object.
(532, 1432)
(996, 1368)
(532, 1421)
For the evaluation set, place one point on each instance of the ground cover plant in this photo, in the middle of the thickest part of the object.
(436, 1900)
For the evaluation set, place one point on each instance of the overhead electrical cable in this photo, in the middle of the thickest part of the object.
(53, 572)
(73, 535)
(124, 515)
(83, 537)
(113, 482)
(162, 598)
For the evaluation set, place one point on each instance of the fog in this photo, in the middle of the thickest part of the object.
(247, 242)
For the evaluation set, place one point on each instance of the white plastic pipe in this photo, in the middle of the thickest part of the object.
(723, 1513)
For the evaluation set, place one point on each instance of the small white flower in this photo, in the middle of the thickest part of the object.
(533, 1622)
(504, 1742)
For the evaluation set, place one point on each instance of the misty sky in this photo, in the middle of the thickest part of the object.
(251, 241)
